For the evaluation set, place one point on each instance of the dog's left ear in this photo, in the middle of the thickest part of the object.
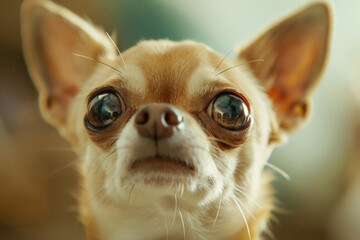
(51, 36)
(294, 53)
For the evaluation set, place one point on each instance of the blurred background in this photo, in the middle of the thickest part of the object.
(322, 199)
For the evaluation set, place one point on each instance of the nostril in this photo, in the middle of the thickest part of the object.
(173, 118)
(158, 120)
(142, 117)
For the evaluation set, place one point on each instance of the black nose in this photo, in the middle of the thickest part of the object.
(157, 120)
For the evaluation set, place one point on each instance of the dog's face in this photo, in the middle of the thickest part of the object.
(170, 121)
(169, 118)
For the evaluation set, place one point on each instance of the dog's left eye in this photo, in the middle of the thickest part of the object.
(103, 109)
(229, 111)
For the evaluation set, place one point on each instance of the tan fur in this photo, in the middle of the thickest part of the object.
(259, 222)
(227, 183)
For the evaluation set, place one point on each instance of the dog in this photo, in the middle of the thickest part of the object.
(173, 136)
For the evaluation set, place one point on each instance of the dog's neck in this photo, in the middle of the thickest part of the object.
(221, 220)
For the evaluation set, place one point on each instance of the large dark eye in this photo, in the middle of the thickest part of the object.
(103, 109)
(229, 111)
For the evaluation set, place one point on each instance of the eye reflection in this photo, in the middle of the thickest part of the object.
(230, 111)
(103, 109)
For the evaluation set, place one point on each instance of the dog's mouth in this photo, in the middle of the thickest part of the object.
(163, 164)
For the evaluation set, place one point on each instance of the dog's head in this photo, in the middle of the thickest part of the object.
(172, 118)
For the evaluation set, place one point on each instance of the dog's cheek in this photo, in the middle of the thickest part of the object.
(198, 147)
(93, 169)
(210, 177)
(226, 161)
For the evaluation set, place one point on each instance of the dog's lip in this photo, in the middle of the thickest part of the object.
(163, 163)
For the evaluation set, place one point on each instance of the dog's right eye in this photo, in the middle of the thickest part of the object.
(103, 109)
(230, 111)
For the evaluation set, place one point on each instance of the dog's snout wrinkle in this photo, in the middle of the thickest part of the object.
(157, 120)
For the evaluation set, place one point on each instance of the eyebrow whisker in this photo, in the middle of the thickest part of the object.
(116, 47)
(223, 59)
(238, 65)
(97, 61)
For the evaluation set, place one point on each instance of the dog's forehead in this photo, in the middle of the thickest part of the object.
(169, 71)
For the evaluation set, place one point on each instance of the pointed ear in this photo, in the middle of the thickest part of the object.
(51, 36)
(294, 53)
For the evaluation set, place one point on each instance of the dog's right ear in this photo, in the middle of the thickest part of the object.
(294, 53)
(51, 35)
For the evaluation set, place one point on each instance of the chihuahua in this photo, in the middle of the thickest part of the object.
(172, 136)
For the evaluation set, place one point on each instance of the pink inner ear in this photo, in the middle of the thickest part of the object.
(295, 68)
(65, 72)
(294, 53)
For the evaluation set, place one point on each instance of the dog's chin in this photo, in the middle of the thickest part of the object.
(159, 171)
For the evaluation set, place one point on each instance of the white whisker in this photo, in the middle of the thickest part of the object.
(218, 211)
(278, 170)
(243, 215)
(238, 189)
(238, 65)
(190, 222)
(182, 189)
(222, 60)
(116, 47)
(175, 212)
(167, 228)
(247, 209)
(182, 222)
(97, 61)
(62, 168)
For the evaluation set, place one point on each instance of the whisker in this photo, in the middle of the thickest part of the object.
(173, 220)
(220, 159)
(218, 211)
(238, 65)
(182, 190)
(97, 61)
(63, 149)
(62, 168)
(238, 189)
(270, 234)
(243, 215)
(182, 222)
(222, 60)
(103, 160)
(113, 152)
(190, 222)
(278, 170)
(102, 189)
(247, 209)
(131, 190)
(116, 47)
(167, 228)
(222, 167)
